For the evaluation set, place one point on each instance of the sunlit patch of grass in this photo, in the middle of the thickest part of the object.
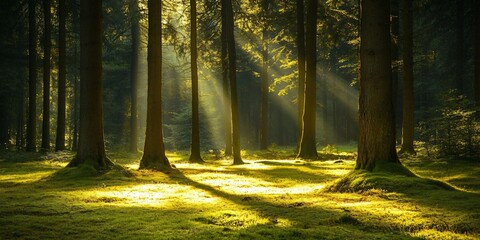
(263, 199)
(155, 195)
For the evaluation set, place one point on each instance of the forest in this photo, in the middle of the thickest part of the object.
(239, 119)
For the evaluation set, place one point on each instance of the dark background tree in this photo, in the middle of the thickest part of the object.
(232, 75)
(195, 155)
(227, 112)
(134, 74)
(408, 124)
(459, 32)
(47, 46)
(62, 76)
(300, 13)
(476, 84)
(265, 78)
(32, 78)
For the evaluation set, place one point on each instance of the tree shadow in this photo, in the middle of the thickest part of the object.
(302, 215)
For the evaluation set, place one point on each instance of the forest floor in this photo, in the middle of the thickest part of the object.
(267, 198)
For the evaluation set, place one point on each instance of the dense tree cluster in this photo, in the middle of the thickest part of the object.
(226, 75)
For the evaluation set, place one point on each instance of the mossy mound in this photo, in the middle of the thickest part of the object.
(388, 177)
(90, 172)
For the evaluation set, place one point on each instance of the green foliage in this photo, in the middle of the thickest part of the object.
(178, 130)
(329, 149)
(455, 131)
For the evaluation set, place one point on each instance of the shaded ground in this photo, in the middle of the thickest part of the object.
(264, 199)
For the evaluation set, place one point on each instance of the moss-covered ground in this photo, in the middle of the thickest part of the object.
(271, 197)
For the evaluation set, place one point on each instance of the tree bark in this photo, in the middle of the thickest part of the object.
(226, 86)
(301, 65)
(265, 80)
(154, 151)
(76, 78)
(394, 31)
(32, 78)
(376, 144)
(19, 141)
(62, 76)
(195, 155)
(476, 85)
(135, 30)
(232, 73)
(47, 49)
(324, 100)
(20, 136)
(459, 47)
(76, 110)
(408, 101)
(91, 148)
(308, 148)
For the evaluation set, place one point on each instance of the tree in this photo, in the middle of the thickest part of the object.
(32, 78)
(232, 74)
(265, 79)
(62, 76)
(227, 112)
(195, 155)
(476, 85)
(47, 15)
(459, 46)
(308, 148)
(91, 146)
(376, 144)
(408, 101)
(154, 152)
(301, 65)
(135, 30)
(394, 31)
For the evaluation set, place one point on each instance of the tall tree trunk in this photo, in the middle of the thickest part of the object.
(476, 85)
(324, 100)
(76, 110)
(32, 78)
(227, 112)
(376, 144)
(460, 48)
(394, 31)
(20, 117)
(154, 152)
(76, 78)
(20, 136)
(62, 76)
(91, 147)
(301, 65)
(308, 148)
(232, 73)
(47, 16)
(408, 101)
(265, 80)
(195, 155)
(3, 127)
(135, 29)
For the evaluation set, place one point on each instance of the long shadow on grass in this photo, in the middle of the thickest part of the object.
(301, 214)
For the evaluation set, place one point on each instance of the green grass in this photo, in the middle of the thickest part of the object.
(267, 198)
